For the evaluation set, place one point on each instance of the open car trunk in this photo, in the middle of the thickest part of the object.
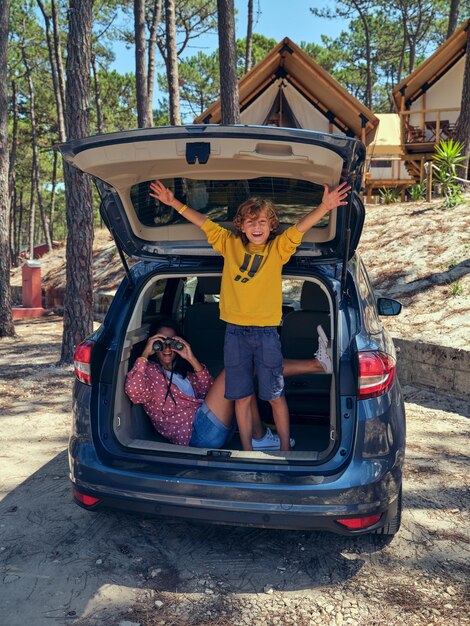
(193, 301)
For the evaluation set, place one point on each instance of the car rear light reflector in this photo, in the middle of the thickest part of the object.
(376, 373)
(84, 499)
(356, 523)
(82, 361)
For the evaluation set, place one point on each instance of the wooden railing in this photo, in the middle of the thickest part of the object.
(428, 130)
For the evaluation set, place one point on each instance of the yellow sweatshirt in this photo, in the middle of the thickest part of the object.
(251, 290)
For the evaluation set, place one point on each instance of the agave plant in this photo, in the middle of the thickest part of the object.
(447, 155)
(389, 195)
(417, 191)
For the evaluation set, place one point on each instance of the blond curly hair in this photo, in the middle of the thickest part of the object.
(251, 208)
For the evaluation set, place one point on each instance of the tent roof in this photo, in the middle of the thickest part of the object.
(286, 60)
(431, 70)
(388, 137)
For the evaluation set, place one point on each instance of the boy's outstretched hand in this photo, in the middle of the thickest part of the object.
(162, 193)
(336, 197)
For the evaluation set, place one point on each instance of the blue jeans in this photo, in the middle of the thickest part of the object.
(208, 430)
(247, 348)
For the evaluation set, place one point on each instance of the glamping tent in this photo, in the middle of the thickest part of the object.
(428, 100)
(288, 88)
(385, 165)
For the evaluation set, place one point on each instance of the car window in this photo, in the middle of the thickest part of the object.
(371, 317)
(153, 299)
(219, 199)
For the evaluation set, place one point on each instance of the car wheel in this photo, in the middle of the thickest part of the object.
(393, 526)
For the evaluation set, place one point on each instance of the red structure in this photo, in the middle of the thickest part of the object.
(31, 291)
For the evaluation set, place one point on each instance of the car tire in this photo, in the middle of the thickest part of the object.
(393, 526)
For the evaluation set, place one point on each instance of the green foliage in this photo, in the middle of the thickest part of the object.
(389, 195)
(456, 288)
(447, 156)
(261, 46)
(417, 192)
(199, 80)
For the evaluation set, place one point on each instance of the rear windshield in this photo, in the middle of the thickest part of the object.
(219, 199)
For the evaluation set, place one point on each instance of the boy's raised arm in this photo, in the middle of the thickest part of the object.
(165, 195)
(331, 200)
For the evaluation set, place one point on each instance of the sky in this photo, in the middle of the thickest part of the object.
(276, 19)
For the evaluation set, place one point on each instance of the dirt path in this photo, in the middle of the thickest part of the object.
(62, 565)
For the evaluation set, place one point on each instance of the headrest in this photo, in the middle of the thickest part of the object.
(313, 298)
(209, 285)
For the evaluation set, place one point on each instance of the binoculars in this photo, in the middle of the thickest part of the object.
(174, 344)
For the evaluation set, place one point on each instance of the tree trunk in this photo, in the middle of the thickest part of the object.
(12, 174)
(7, 328)
(140, 65)
(172, 63)
(59, 65)
(36, 179)
(36, 182)
(53, 194)
(97, 92)
(32, 218)
(78, 299)
(156, 16)
(462, 128)
(365, 22)
(230, 104)
(54, 72)
(453, 17)
(249, 38)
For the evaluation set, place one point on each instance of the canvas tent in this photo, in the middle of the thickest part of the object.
(429, 99)
(385, 165)
(288, 88)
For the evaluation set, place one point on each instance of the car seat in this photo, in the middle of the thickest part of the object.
(203, 328)
(299, 340)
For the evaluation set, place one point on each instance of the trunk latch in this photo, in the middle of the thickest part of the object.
(198, 151)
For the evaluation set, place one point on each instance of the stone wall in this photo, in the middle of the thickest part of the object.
(446, 369)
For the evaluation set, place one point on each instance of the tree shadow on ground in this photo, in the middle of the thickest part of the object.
(57, 557)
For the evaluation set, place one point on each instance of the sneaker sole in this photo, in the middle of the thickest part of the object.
(292, 444)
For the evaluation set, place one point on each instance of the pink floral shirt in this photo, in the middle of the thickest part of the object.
(147, 385)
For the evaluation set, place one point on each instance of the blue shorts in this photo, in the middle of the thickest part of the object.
(208, 430)
(250, 348)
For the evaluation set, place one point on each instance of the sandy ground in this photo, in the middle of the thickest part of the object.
(419, 253)
(62, 565)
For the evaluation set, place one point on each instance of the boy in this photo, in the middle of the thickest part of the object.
(251, 303)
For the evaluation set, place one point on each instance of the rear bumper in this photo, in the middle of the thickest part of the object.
(308, 503)
(299, 518)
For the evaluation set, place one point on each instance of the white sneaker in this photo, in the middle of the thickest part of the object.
(323, 354)
(270, 441)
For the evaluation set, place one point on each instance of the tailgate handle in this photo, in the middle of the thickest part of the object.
(198, 151)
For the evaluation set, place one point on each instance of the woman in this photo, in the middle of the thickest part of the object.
(185, 404)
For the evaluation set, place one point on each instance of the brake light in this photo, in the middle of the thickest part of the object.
(376, 373)
(82, 361)
(357, 523)
(84, 499)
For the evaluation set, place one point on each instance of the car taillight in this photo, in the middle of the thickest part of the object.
(84, 499)
(82, 361)
(376, 373)
(356, 523)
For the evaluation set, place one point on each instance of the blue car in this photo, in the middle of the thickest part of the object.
(344, 474)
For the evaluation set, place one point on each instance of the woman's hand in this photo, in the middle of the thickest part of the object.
(148, 350)
(336, 197)
(162, 193)
(187, 353)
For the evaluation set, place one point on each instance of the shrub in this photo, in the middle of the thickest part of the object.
(447, 155)
(389, 195)
(418, 191)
